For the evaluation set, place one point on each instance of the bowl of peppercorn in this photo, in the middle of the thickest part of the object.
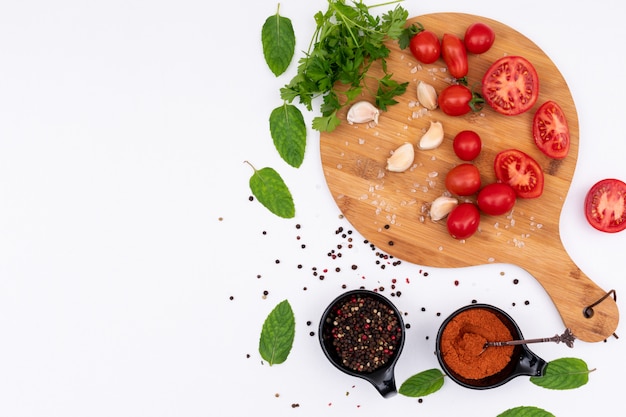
(362, 334)
(466, 357)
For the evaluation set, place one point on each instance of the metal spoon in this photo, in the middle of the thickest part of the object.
(567, 337)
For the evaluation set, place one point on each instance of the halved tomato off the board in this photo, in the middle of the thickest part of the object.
(605, 205)
(511, 85)
(520, 171)
(550, 130)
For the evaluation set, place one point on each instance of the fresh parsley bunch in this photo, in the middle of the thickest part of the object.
(346, 42)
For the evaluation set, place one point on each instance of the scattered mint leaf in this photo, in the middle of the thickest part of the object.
(288, 131)
(562, 374)
(277, 334)
(525, 411)
(422, 384)
(271, 191)
(279, 42)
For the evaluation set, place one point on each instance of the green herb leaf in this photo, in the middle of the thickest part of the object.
(326, 123)
(526, 411)
(422, 384)
(278, 333)
(288, 131)
(271, 191)
(562, 374)
(347, 40)
(279, 42)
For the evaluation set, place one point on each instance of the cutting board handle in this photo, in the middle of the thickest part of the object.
(590, 312)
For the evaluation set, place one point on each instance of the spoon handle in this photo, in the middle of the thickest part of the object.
(567, 337)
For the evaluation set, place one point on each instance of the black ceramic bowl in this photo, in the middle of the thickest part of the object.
(382, 375)
(523, 360)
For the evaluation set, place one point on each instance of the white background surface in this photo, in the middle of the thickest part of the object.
(125, 224)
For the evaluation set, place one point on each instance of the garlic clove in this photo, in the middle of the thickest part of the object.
(427, 95)
(433, 137)
(363, 112)
(402, 158)
(441, 207)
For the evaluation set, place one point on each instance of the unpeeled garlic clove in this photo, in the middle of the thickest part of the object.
(427, 95)
(402, 158)
(433, 137)
(441, 207)
(363, 112)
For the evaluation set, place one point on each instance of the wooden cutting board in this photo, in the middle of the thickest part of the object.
(391, 209)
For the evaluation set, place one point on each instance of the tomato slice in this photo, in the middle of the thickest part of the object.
(605, 206)
(551, 131)
(520, 171)
(511, 85)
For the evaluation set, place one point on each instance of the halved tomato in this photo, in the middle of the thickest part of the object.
(605, 205)
(520, 171)
(511, 85)
(551, 131)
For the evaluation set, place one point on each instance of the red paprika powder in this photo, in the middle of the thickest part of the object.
(463, 340)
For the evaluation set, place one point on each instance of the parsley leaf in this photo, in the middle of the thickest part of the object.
(271, 191)
(277, 334)
(279, 42)
(288, 131)
(347, 40)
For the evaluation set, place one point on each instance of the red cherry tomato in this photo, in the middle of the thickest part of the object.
(520, 171)
(605, 205)
(551, 131)
(467, 145)
(463, 179)
(454, 55)
(496, 198)
(511, 85)
(425, 47)
(457, 100)
(463, 221)
(478, 38)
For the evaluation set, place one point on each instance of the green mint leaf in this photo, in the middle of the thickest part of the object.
(326, 123)
(563, 374)
(271, 191)
(526, 411)
(279, 42)
(278, 333)
(288, 131)
(422, 384)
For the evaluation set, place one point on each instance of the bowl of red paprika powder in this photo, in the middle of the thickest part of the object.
(464, 358)
(362, 334)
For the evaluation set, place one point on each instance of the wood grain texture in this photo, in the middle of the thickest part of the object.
(391, 209)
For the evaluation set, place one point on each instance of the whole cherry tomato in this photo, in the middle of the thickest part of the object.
(457, 100)
(463, 221)
(478, 38)
(454, 55)
(463, 179)
(496, 198)
(425, 47)
(467, 145)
